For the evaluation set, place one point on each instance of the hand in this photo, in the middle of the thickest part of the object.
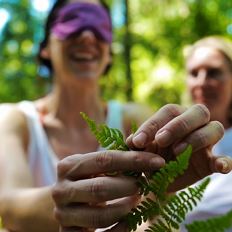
(171, 129)
(83, 188)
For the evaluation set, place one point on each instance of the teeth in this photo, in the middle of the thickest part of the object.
(85, 56)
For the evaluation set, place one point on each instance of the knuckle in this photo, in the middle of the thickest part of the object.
(104, 160)
(201, 138)
(173, 109)
(61, 169)
(98, 190)
(149, 128)
(102, 220)
(182, 125)
(64, 166)
(139, 160)
(58, 193)
(58, 215)
(203, 110)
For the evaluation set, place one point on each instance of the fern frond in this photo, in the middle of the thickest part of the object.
(158, 185)
(171, 210)
(174, 211)
(216, 224)
(109, 138)
(134, 127)
(145, 210)
(159, 181)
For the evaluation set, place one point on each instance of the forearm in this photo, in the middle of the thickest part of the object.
(28, 210)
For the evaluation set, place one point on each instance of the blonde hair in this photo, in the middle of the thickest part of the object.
(220, 43)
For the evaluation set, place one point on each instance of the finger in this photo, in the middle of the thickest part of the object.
(81, 166)
(95, 216)
(94, 190)
(193, 118)
(203, 137)
(147, 131)
(204, 165)
(221, 164)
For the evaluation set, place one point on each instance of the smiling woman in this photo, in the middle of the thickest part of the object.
(76, 48)
(36, 135)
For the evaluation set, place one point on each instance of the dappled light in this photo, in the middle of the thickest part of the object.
(158, 32)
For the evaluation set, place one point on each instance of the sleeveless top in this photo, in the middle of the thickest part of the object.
(217, 199)
(42, 159)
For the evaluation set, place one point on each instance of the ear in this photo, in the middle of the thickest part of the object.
(45, 52)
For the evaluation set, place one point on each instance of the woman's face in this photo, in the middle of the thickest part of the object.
(82, 56)
(209, 80)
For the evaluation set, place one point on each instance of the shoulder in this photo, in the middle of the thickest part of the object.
(12, 119)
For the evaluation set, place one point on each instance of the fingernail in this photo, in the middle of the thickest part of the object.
(164, 138)
(180, 148)
(140, 140)
(225, 166)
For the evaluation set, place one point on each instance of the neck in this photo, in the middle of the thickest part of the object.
(65, 104)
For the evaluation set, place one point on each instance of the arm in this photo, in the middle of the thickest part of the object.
(22, 207)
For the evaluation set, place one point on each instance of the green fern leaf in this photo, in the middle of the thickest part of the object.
(172, 210)
(216, 224)
(159, 181)
(158, 185)
(109, 138)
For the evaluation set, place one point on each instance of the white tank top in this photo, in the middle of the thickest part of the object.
(42, 159)
(217, 199)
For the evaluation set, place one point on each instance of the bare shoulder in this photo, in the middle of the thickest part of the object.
(135, 112)
(12, 120)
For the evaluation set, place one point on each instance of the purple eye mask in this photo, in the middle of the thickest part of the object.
(76, 17)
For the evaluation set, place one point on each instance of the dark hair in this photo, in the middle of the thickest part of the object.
(50, 19)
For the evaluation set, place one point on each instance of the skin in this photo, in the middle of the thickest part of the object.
(81, 181)
(209, 82)
(74, 90)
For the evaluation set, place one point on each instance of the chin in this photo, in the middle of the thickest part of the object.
(86, 76)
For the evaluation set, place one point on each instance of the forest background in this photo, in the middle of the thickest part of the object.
(149, 39)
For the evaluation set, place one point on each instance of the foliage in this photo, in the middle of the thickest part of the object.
(159, 30)
(174, 211)
(18, 76)
(169, 211)
(109, 138)
(215, 224)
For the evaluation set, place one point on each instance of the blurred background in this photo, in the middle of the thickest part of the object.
(149, 38)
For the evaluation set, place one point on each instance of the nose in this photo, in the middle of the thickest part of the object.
(87, 36)
(201, 77)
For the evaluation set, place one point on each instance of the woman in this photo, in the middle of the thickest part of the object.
(209, 82)
(36, 135)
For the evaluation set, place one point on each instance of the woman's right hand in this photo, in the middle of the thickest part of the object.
(83, 187)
